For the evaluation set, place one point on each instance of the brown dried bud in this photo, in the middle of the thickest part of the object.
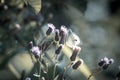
(75, 53)
(77, 64)
(58, 49)
(56, 35)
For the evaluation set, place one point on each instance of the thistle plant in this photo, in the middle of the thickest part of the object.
(59, 41)
(103, 65)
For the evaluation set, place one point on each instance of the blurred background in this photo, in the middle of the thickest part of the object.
(96, 22)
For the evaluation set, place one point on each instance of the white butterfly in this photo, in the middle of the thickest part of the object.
(72, 39)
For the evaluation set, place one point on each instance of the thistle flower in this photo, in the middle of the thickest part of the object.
(77, 64)
(75, 53)
(105, 62)
(63, 31)
(51, 28)
(63, 34)
(35, 51)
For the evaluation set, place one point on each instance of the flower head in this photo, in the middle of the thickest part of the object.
(105, 62)
(63, 31)
(51, 28)
(35, 51)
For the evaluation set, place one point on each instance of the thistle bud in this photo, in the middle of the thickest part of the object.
(77, 64)
(58, 50)
(75, 53)
(56, 35)
(51, 28)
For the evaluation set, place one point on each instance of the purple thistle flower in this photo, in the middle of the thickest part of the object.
(63, 31)
(35, 51)
(63, 34)
(105, 62)
(51, 28)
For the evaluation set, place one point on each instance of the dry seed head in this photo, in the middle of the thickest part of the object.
(75, 53)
